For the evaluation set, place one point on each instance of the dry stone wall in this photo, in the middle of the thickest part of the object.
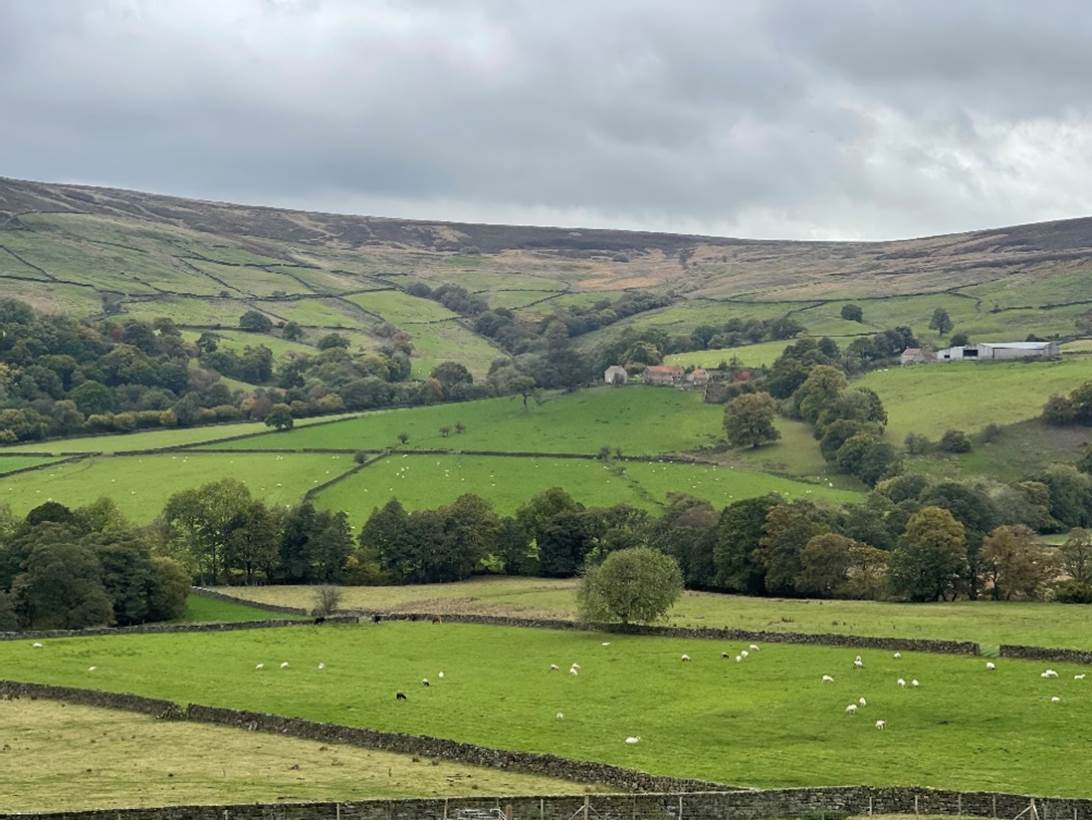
(829, 803)
(1043, 653)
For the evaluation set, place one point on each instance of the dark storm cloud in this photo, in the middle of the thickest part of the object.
(858, 118)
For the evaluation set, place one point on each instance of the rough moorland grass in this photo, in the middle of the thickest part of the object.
(200, 609)
(989, 623)
(765, 722)
(153, 439)
(77, 757)
(640, 420)
(141, 485)
(430, 481)
(929, 399)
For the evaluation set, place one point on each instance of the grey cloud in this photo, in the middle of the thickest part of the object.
(762, 118)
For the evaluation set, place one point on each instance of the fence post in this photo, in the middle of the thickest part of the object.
(959, 806)
(994, 806)
(680, 808)
(586, 800)
(445, 808)
(337, 810)
(916, 812)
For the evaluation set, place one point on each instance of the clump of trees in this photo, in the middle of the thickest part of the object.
(1076, 408)
(69, 569)
(635, 585)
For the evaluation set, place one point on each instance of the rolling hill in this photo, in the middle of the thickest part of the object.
(95, 251)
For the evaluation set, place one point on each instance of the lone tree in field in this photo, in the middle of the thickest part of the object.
(637, 585)
(928, 562)
(255, 322)
(852, 313)
(279, 417)
(748, 420)
(941, 321)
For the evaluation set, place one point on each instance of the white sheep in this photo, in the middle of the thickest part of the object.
(827, 679)
(259, 667)
(744, 653)
(901, 682)
(1050, 673)
(554, 667)
(685, 658)
(322, 665)
(851, 709)
(284, 664)
(38, 645)
(574, 671)
(1079, 677)
(858, 663)
(560, 716)
(897, 655)
(633, 739)
(424, 682)
(881, 724)
(862, 701)
(753, 647)
(92, 668)
(739, 658)
(576, 666)
(1055, 699)
(914, 682)
(990, 665)
(605, 643)
(440, 675)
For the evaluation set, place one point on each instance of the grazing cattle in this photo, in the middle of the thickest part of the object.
(321, 619)
(400, 696)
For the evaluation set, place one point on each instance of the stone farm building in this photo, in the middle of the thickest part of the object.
(663, 374)
(999, 351)
(615, 374)
(699, 377)
(915, 355)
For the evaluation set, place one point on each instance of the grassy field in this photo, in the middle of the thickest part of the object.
(756, 355)
(430, 481)
(200, 609)
(138, 761)
(640, 420)
(141, 485)
(765, 722)
(989, 623)
(933, 398)
(11, 463)
(154, 439)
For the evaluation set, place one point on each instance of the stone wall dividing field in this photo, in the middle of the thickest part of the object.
(1043, 653)
(205, 592)
(814, 804)
(172, 629)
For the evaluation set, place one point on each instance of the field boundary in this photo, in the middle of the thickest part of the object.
(216, 595)
(834, 801)
(581, 771)
(1045, 653)
(172, 629)
(56, 461)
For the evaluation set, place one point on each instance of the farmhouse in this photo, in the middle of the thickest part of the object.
(699, 377)
(915, 355)
(663, 374)
(615, 374)
(999, 351)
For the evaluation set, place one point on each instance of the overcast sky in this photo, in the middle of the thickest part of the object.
(811, 119)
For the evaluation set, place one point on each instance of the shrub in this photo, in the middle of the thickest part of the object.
(991, 432)
(327, 598)
(360, 457)
(917, 445)
(955, 441)
(1073, 592)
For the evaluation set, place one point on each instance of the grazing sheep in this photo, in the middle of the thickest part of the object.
(554, 667)
(1055, 699)
(1050, 673)
(858, 663)
(576, 666)
(753, 647)
(400, 696)
(560, 716)
(92, 668)
(901, 682)
(851, 709)
(685, 658)
(440, 675)
(633, 739)
(574, 671)
(743, 653)
(321, 665)
(1079, 677)
(881, 724)
(38, 645)
(827, 679)
(914, 682)
(725, 655)
(605, 643)
(990, 665)
(259, 667)
(284, 664)
(862, 701)
(897, 655)
(425, 683)
(739, 658)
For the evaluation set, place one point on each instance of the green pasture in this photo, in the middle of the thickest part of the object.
(155, 439)
(200, 609)
(320, 311)
(400, 308)
(184, 310)
(142, 484)
(795, 454)
(239, 339)
(51, 297)
(424, 481)
(767, 721)
(251, 280)
(929, 399)
(139, 761)
(762, 354)
(988, 623)
(450, 341)
(11, 463)
(640, 420)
